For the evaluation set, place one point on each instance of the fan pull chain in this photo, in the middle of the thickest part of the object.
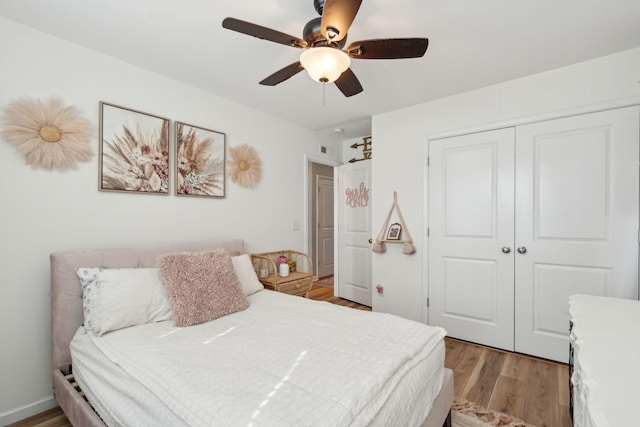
(324, 87)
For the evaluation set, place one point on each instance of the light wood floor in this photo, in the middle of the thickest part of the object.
(534, 390)
(325, 293)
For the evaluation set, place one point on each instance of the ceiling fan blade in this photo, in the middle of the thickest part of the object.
(283, 74)
(261, 32)
(388, 48)
(348, 83)
(337, 17)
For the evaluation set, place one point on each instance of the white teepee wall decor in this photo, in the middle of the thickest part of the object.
(380, 247)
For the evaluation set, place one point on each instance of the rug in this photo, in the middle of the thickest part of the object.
(326, 282)
(469, 414)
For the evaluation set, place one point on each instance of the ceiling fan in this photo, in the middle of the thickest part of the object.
(323, 39)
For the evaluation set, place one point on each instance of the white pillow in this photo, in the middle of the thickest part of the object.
(246, 274)
(89, 280)
(115, 298)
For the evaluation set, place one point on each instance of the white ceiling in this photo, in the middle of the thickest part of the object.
(472, 44)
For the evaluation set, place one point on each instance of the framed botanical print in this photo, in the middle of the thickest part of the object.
(134, 151)
(200, 160)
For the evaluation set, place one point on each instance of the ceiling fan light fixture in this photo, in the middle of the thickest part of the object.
(325, 64)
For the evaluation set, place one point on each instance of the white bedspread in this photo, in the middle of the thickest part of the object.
(285, 361)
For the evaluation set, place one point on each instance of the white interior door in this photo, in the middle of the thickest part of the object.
(471, 217)
(324, 230)
(577, 219)
(354, 232)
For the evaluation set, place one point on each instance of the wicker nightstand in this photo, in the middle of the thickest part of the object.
(298, 282)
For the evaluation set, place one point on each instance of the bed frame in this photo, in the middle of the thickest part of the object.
(67, 316)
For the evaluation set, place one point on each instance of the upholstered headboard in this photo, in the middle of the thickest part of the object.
(66, 292)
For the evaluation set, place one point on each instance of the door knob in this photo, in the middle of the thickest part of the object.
(506, 249)
(522, 250)
(370, 240)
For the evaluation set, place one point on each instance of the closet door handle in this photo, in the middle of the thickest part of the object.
(506, 249)
(522, 250)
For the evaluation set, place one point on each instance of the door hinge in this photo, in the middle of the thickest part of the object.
(427, 231)
(427, 301)
(428, 161)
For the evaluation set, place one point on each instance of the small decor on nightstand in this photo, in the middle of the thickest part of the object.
(283, 270)
(286, 271)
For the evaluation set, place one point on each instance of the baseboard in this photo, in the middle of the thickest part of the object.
(18, 414)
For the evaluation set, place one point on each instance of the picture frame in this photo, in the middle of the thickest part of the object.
(200, 161)
(134, 151)
(395, 230)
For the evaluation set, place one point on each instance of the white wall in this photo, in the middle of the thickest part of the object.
(43, 211)
(400, 142)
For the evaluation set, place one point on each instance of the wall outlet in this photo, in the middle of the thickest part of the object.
(380, 290)
(295, 225)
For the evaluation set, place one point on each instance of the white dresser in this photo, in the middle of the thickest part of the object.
(605, 361)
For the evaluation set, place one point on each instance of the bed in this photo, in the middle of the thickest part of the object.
(284, 360)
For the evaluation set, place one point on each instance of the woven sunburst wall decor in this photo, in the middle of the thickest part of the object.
(245, 166)
(49, 134)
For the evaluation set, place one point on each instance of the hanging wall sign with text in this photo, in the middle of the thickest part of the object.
(357, 197)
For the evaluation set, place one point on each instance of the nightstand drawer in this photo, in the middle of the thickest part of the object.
(296, 287)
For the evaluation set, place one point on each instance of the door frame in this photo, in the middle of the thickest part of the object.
(619, 103)
(425, 231)
(306, 228)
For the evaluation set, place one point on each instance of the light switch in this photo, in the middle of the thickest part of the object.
(295, 225)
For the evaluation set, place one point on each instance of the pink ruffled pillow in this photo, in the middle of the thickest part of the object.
(201, 286)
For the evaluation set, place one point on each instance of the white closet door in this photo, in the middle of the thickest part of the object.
(471, 234)
(577, 219)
